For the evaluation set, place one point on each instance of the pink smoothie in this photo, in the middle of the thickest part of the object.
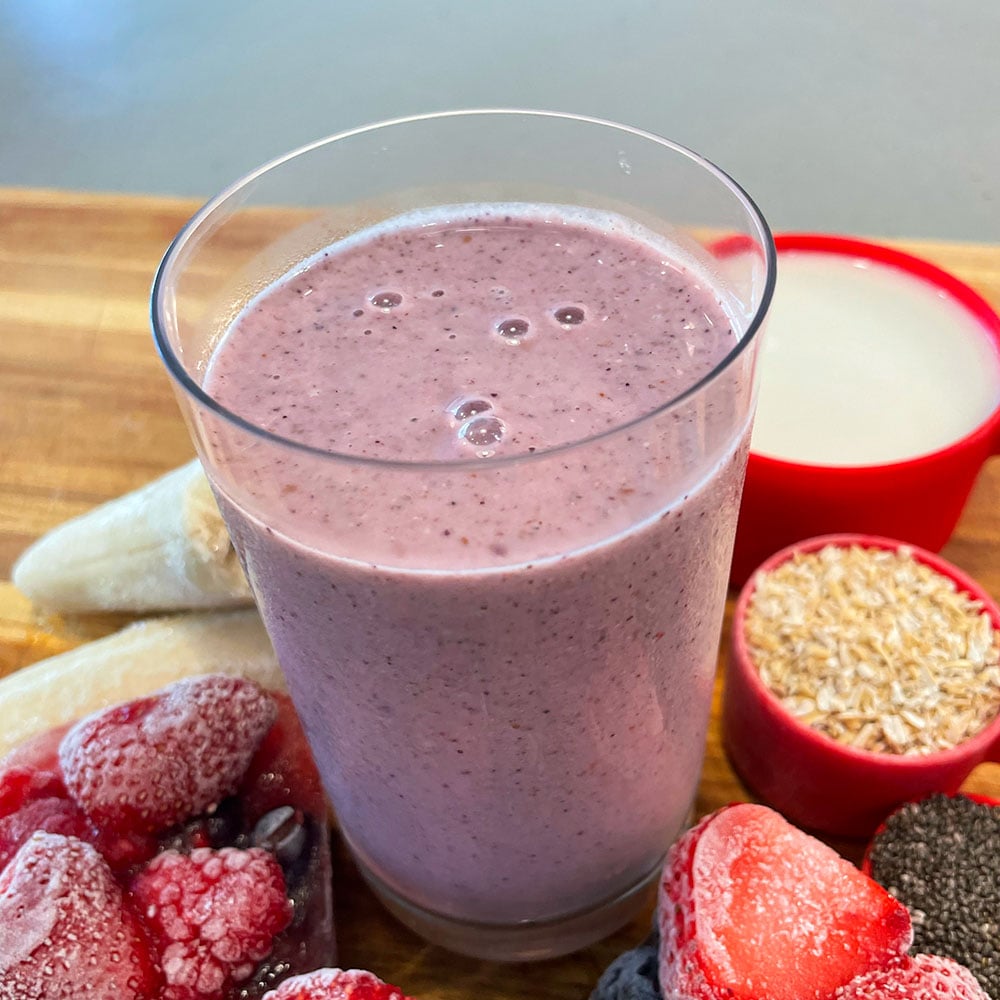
(502, 649)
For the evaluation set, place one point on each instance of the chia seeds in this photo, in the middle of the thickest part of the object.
(939, 858)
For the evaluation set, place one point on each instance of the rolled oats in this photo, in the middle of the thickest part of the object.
(875, 649)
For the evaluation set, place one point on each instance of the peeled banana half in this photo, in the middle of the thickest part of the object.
(138, 660)
(163, 547)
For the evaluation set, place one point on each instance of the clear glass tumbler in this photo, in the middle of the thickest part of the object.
(511, 737)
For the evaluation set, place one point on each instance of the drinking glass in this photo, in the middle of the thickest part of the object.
(511, 736)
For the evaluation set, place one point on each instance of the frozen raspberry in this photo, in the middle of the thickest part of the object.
(213, 916)
(751, 907)
(40, 815)
(151, 763)
(920, 977)
(336, 984)
(65, 931)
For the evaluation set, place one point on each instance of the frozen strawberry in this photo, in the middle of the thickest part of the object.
(213, 916)
(40, 815)
(151, 763)
(37, 753)
(32, 771)
(751, 907)
(65, 931)
(336, 984)
(59, 814)
(920, 977)
(283, 770)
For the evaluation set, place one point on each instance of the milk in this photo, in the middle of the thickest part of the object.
(864, 364)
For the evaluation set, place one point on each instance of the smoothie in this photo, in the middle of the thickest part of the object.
(502, 647)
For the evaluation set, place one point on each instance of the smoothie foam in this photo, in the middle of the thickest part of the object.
(501, 648)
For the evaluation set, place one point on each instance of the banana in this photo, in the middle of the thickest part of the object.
(163, 547)
(138, 660)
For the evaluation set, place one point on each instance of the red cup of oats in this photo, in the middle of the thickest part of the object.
(863, 672)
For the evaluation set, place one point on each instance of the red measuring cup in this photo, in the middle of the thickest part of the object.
(918, 500)
(814, 780)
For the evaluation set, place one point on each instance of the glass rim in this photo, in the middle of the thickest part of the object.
(181, 377)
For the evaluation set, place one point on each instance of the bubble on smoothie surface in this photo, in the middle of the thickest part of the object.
(386, 300)
(569, 315)
(482, 432)
(467, 407)
(512, 330)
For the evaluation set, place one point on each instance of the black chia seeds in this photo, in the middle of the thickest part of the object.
(939, 858)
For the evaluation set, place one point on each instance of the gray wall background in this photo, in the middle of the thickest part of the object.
(877, 117)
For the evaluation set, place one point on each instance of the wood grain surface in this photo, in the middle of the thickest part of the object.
(86, 413)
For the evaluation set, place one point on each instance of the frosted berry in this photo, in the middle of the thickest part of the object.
(213, 916)
(41, 815)
(920, 977)
(65, 931)
(751, 907)
(31, 771)
(154, 762)
(283, 770)
(336, 984)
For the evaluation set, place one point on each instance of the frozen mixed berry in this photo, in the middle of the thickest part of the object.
(283, 769)
(939, 857)
(238, 926)
(633, 975)
(41, 815)
(33, 797)
(920, 977)
(152, 763)
(31, 771)
(213, 916)
(751, 907)
(66, 933)
(336, 984)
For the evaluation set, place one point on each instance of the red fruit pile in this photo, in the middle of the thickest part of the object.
(751, 907)
(94, 905)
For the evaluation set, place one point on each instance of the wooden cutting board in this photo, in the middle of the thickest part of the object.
(86, 413)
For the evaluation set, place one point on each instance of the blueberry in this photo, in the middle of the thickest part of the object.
(219, 827)
(632, 975)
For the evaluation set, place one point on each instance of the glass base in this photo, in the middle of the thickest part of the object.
(527, 940)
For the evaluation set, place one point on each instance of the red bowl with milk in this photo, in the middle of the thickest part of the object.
(856, 433)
